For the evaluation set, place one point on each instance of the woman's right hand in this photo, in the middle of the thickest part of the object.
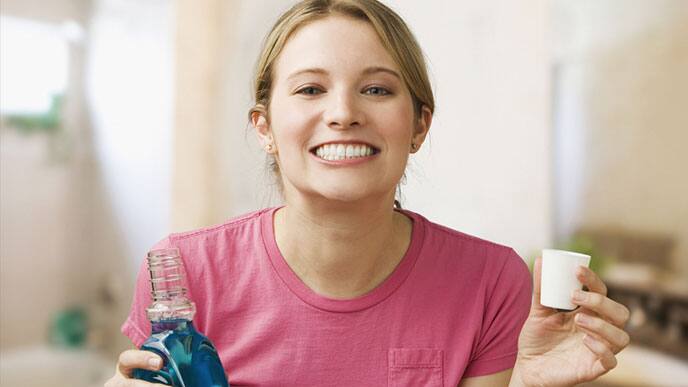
(130, 360)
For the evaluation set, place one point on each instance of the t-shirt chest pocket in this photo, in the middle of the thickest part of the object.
(417, 367)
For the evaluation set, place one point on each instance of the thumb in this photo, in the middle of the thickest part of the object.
(133, 359)
(537, 280)
(537, 272)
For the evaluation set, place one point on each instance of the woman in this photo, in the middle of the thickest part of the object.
(339, 287)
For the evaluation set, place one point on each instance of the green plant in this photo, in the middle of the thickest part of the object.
(48, 121)
(584, 245)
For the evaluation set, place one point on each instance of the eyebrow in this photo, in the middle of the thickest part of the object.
(367, 71)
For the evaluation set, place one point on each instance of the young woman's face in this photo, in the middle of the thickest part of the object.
(341, 117)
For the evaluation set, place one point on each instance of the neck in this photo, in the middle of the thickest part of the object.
(342, 252)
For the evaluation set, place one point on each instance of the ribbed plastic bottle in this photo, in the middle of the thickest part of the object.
(189, 358)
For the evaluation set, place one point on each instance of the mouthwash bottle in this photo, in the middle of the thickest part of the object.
(189, 358)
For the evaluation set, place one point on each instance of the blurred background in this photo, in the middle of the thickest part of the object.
(559, 124)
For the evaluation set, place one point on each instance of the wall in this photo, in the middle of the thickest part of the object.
(43, 199)
(55, 11)
(487, 169)
(34, 206)
(243, 182)
(621, 118)
(75, 232)
(130, 90)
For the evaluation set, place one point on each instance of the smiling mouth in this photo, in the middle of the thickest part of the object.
(335, 151)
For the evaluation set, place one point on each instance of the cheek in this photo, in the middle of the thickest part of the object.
(401, 110)
(290, 124)
(292, 107)
(398, 124)
(398, 127)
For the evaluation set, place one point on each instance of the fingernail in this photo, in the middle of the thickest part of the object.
(579, 295)
(581, 271)
(154, 362)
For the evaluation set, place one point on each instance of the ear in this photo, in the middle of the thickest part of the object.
(260, 123)
(422, 127)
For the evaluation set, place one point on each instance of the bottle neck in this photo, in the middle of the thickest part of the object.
(168, 287)
(171, 325)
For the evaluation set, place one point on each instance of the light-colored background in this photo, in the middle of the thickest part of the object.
(552, 117)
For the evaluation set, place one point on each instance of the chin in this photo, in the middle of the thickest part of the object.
(349, 194)
(341, 195)
(336, 191)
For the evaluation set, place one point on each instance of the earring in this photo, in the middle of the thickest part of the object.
(414, 147)
(268, 148)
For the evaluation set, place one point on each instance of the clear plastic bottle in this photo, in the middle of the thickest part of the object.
(189, 358)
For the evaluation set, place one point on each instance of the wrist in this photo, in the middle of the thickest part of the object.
(516, 378)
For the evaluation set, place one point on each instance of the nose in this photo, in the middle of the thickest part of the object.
(342, 111)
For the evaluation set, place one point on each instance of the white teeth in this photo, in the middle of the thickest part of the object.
(343, 151)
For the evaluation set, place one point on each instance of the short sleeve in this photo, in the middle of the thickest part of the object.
(136, 326)
(505, 313)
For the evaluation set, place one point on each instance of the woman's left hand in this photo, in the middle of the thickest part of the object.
(567, 348)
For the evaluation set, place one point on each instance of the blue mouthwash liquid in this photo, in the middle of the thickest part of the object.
(189, 358)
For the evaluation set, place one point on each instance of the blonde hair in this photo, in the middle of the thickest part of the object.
(395, 35)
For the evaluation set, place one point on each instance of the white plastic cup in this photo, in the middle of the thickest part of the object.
(558, 279)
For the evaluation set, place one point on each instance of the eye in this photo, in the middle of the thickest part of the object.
(309, 90)
(376, 90)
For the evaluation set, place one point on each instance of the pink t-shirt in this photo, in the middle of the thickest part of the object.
(452, 308)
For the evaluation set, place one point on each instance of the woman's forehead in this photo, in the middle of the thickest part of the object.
(335, 44)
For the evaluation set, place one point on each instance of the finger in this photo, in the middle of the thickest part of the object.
(139, 383)
(607, 308)
(612, 334)
(537, 272)
(607, 360)
(132, 359)
(142, 383)
(119, 381)
(588, 278)
(537, 309)
(594, 335)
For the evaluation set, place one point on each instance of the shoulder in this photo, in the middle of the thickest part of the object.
(233, 225)
(449, 234)
(218, 242)
(239, 228)
(476, 258)
(457, 241)
(227, 249)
